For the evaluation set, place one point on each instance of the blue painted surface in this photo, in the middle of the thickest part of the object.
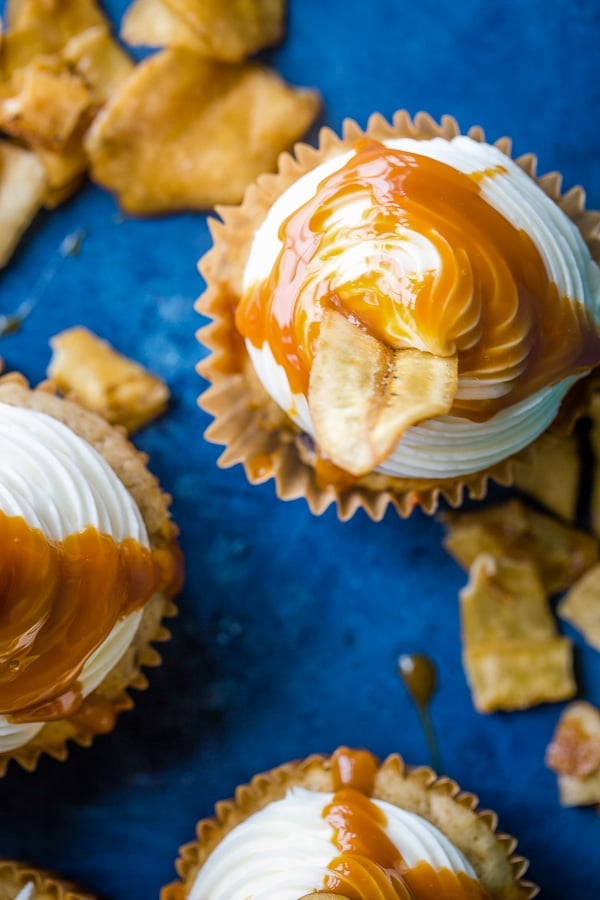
(290, 625)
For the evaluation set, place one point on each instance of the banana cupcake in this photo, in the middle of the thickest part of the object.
(89, 566)
(353, 827)
(20, 881)
(397, 315)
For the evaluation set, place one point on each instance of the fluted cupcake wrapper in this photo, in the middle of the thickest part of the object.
(254, 432)
(416, 789)
(113, 693)
(14, 876)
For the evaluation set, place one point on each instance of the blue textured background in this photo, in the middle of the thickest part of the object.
(290, 625)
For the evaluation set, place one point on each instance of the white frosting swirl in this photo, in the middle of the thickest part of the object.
(60, 484)
(283, 851)
(446, 446)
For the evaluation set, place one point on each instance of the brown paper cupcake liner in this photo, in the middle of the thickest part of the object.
(14, 876)
(253, 430)
(102, 706)
(416, 789)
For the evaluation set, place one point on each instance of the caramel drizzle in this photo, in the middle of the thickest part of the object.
(491, 300)
(368, 865)
(59, 600)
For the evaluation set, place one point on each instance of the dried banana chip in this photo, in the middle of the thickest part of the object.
(574, 754)
(103, 380)
(187, 133)
(363, 395)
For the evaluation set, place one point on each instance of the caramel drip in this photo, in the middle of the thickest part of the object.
(59, 600)
(369, 866)
(418, 673)
(490, 300)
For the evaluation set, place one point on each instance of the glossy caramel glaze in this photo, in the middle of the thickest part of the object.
(59, 600)
(490, 298)
(368, 865)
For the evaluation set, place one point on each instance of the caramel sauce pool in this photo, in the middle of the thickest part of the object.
(491, 300)
(59, 600)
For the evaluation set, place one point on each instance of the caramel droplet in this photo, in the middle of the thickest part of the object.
(419, 675)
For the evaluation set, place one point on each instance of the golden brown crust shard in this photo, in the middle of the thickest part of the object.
(229, 32)
(418, 790)
(90, 371)
(156, 126)
(262, 439)
(560, 552)
(574, 754)
(512, 653)
(130, 466)
(581, 606)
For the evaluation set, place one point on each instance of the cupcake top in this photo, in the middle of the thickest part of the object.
(436, 262)
(79, 563)
(349, 826)
(343, 843)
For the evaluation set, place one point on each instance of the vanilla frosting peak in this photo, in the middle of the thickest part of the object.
(58, 482)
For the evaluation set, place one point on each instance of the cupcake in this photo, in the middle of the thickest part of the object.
(19, 881)
(353, 827)
(397, 315)
(89, 567)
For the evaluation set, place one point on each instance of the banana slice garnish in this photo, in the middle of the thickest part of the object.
(363, 395)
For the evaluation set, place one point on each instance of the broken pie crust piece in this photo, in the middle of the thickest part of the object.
(512, 653)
